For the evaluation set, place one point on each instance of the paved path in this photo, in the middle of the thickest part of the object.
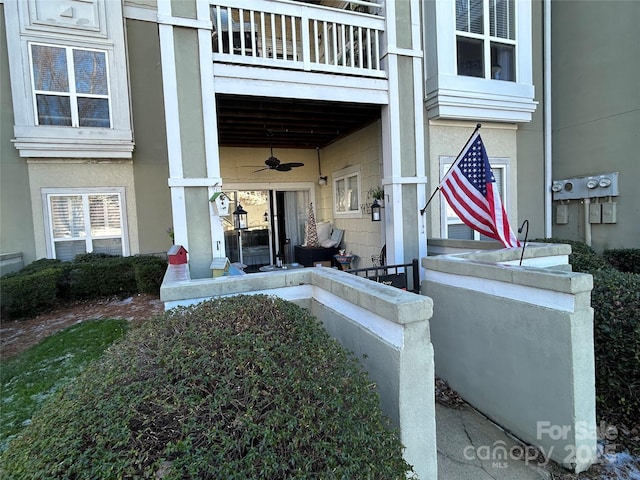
(470, 448)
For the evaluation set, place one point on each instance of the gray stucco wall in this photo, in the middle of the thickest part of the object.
(150, 163)
(519, 347)
(596, 109)
(16, 224)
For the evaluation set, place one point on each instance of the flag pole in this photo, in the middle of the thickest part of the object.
(458, 158)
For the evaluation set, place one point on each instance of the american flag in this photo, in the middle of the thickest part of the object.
(469, 187)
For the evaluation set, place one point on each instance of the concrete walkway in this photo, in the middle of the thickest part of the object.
(470, 447)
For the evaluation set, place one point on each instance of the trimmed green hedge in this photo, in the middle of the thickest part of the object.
(616, 302)
(624, 259)
(30, 291)
(234, 388)
(29, 294)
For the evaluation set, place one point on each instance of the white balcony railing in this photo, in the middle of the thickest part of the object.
(293, 35)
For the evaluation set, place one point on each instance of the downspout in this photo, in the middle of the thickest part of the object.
(587, 224)
(548, 203)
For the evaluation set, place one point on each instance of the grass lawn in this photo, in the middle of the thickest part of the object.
(28, 379)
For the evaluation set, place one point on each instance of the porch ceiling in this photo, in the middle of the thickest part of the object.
(288, 123)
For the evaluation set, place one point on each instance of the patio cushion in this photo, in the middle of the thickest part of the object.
(324, 231)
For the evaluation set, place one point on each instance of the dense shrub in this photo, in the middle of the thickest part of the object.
(29, 294)
(236, 388)
(624, 259)
(149, 272)
(616, 302)
(92, 257)
(26, 293)
(102, 277)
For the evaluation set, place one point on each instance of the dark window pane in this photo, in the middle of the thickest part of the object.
(93, 112)
(111, 246)
(90, 71)
(50, 68)
(503, 62)
(459, 232)
(53, 110)
(67, 251)
(470, 63)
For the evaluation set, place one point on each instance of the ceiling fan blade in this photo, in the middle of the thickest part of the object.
(261, 169)
(292, 164)
(283, 167)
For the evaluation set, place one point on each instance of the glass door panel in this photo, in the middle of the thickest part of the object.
(251, 247)
(276, 224)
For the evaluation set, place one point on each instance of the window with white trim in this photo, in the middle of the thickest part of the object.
(70, 86)
(451, 225)
(69, 79)
(486, 39)
(482, 65)
(86, 222)
(346, 193)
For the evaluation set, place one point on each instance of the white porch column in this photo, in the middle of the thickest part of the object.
(194, 165)
(403, 148)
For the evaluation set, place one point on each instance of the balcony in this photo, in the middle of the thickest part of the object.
(299, 36)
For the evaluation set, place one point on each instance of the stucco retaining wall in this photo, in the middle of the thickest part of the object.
(387, 328)
(10, 262)
(517, 343)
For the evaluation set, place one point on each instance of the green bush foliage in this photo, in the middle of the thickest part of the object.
(92, 257)
(102, 277)
(616, 302)
(235, 388)
(29, 294)
(29, 291)
(624, 259)
(149, 272)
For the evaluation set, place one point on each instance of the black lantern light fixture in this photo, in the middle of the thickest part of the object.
(375, 211)
(240, 218)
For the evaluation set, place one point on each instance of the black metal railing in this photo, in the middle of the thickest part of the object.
(405, 276)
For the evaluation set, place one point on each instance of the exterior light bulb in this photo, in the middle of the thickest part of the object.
(556, 187)
(592, 183)
(605, 182)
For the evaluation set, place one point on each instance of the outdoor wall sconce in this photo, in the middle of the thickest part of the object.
(240, 218)
(266, 216)
(375, 211)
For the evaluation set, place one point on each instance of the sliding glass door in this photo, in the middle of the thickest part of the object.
(276, 220)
